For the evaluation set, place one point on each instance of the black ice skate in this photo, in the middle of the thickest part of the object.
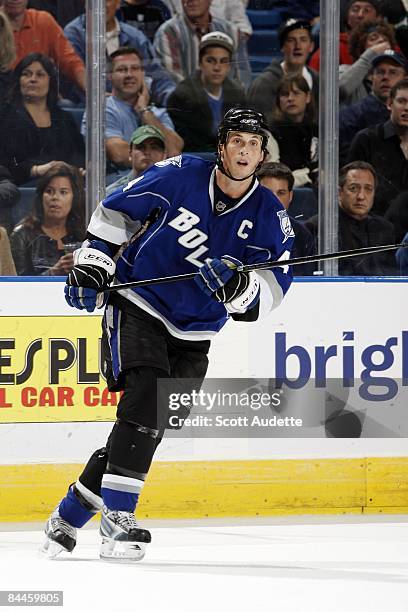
(122, 538)
(60, 536)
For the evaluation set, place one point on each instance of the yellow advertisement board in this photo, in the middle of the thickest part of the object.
(50, 370)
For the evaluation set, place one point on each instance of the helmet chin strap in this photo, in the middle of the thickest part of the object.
(232, 178)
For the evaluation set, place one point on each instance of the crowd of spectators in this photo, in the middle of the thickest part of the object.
(174, 67)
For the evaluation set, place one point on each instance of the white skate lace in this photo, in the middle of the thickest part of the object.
(125, 520)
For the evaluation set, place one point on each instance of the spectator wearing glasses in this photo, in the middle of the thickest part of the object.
(119, 35)
(130, 107)
(367, 41)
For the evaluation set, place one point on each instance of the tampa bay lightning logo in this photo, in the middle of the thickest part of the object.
(285, 225)
(220, 206)
(175, 161)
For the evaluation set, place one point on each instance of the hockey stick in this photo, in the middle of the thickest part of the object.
(267, 265)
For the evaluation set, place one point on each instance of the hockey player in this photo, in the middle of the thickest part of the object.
(183, 214)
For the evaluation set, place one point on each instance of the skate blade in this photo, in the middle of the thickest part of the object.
(51, 549)
(117, 551)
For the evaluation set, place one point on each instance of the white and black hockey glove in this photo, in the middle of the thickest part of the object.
(239, 291)
(92, 272)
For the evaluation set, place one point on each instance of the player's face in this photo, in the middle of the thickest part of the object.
(399, 109)
(127, 75)
(215, 66)
(57, 199)
(14, 8)
(297, 47)
(385, 75)
(34, 82)
(360, 12)
(293, 103)
(242, 153)
(356, 197)
(279, 187)
(146, 154)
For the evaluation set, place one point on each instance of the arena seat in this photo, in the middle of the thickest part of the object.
(77, 114)
(264, 19)
(264, 42)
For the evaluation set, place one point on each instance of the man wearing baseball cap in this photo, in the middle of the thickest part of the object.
(296, 44)
(147, 146)
(198, 103)
(177, 41)
(392, 57)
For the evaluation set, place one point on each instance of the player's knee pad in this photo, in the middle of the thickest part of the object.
(140, 403)
(132, 449)
(91, 477)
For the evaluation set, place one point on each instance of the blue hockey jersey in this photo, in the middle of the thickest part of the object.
(187, 232)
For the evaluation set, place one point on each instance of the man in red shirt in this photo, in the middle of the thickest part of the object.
(37, 31)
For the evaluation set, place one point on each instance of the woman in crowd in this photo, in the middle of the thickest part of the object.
(43, 243)
(367, 40)
(294, 130)
(36, 133)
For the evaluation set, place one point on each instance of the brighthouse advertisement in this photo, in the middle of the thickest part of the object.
(50, 371)
(348, 340)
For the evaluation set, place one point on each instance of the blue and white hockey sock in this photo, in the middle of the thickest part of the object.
(120, 492)
(74, 511)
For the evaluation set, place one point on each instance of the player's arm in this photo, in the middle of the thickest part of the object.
(272, 241)
(118, 217)
(114, 222)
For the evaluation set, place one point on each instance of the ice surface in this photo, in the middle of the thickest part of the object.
(316, 564)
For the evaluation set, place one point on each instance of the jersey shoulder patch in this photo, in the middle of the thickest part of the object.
(285, 225)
